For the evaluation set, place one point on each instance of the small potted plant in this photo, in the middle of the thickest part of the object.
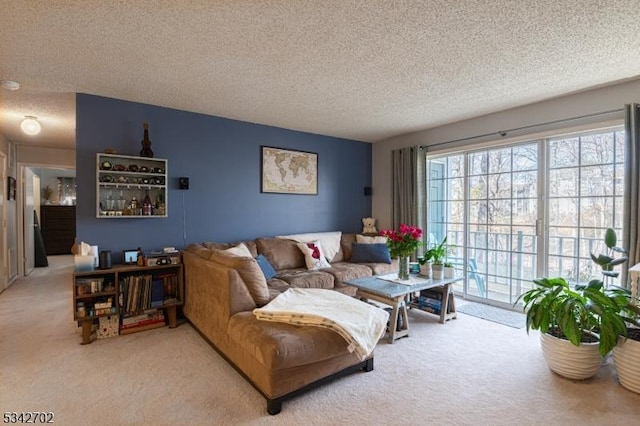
(449, 271)
(438, 254)
(425, 263)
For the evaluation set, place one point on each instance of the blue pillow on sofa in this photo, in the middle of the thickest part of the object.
(266, 267)
(370, 253)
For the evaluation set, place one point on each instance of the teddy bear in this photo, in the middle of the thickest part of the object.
(369, 225)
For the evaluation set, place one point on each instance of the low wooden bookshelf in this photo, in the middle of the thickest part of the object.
(125, 291)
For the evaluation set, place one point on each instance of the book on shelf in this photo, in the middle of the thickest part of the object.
(170, 287)
(154, 316)
(431, 294)
(429, 304)
(142, 291)
(157, 293)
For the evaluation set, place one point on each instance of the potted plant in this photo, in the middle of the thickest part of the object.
(438, 254)
(626, 354)
(577, 326)
(402, 244)
(425, 263)
(608, 260)
(449, 270)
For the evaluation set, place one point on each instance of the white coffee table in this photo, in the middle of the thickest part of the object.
(397, 295)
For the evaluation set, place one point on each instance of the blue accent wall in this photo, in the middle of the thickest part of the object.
(222, 159)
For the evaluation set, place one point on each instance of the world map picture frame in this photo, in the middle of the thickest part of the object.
(288, 171)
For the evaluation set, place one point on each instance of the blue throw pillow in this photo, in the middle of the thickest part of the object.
(370, 253)
(266, 267)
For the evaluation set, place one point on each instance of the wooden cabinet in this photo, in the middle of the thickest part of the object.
(123, 181)
(58, 228)
(127, 292)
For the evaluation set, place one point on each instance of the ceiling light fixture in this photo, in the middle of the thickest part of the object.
(10, 85)
(30, 125)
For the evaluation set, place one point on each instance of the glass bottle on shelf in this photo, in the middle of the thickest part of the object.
(121, 201)
(146, 143)
(134, 206)
(146, 205)
(160, 204)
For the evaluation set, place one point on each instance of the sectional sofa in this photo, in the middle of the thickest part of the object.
(278, 359)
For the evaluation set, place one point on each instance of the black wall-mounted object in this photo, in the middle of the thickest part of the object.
(183, 183)
(367, 190)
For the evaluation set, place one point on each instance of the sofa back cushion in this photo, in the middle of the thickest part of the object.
(367, 239)
(266, 267)
(199, 250)
(251, 245)
(330, 241)
(345, 247)
(370, 253)
(281, 253)
(250, 272)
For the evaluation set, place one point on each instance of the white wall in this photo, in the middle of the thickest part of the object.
(11, 248)
(565, 107)
(37, 156)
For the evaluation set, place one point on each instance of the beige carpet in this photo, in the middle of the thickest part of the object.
(466, 372)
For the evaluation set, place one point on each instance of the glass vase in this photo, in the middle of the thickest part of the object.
(403, 267)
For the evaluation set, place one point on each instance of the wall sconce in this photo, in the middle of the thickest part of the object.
(30, 125)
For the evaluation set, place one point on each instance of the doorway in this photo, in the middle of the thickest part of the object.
(41, 185)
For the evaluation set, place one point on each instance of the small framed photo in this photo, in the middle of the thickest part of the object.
(130, 256)
(11, 188)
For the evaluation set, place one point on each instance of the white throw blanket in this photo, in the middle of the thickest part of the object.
(359, 323)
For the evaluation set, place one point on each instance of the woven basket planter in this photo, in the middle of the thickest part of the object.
(568, 360)
(626, 358)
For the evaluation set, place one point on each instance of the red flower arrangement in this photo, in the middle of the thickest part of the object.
(403, 242)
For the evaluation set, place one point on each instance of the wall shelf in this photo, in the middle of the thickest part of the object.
(123, 178)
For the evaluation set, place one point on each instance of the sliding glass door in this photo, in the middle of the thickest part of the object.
(585, 190)
(513, 213)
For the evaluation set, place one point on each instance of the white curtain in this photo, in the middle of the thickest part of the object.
(631, 225)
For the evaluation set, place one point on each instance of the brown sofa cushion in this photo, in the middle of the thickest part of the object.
(281, 253)
(199, 250)
(277, 286)
(347, 271)
(345, 244)
(304, 278)
(223, 246)
(280, 346)
(249, 271)
(383, 268)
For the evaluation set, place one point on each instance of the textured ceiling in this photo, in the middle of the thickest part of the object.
(364, 70)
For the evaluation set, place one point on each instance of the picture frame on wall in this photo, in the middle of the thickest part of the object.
(11, 188)
(287, 171)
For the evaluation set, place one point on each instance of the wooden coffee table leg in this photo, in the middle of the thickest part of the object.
(399, 307)
(393, 322)
(448, 307)
(399, 310)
